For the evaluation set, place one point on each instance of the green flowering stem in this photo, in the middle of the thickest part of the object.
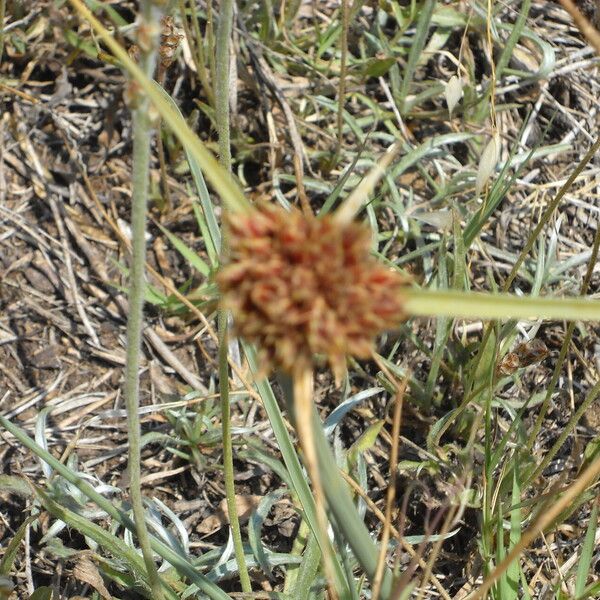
(222, 117)
(222, 82)
(488, 306)
(142, 136)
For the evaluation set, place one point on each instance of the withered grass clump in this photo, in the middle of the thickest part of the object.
(301, 286)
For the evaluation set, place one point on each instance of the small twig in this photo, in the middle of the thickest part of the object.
(391, 491)
(173, 361)
(70, 275)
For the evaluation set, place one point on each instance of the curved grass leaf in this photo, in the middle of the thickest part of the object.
(181, 563)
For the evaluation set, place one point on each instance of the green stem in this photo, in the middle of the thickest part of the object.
(222, 81)
(342, 84)
(183, 566)
(478, 305)
(222, 116)
(142, 135)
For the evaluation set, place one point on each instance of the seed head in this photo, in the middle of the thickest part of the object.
(301, 286)
(169, 41)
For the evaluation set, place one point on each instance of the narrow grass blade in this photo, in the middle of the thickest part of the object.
(513, 38)
(10, 552)
(442, 329)
(416, 48)
(218, 177)
(308, 570)
(181, 563)
(189, 255)
(476, 305)
(584, 566)
(202, 220)
(255, 528)
(288, 452)
(512, 573)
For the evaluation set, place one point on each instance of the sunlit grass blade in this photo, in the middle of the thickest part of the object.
(471, 305)
(584, 566)
(218, 177)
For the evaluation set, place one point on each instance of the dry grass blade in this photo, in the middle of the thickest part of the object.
(357, 199)
(546, 518)
(583, 24)
(391, 491)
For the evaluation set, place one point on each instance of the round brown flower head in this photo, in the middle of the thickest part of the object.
(300, 286)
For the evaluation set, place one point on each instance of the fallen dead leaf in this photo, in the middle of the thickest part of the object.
(245, 504)
(85, 570)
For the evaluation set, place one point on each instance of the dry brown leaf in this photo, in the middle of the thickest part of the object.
(245, 504)
(85, 570)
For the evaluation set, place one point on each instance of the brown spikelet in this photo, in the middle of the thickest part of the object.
(169, 41)
(299, 286)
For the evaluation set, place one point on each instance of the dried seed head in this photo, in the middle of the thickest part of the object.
(300, 286)
(169, 41)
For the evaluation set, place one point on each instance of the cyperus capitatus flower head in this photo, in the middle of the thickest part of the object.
(300, 286)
